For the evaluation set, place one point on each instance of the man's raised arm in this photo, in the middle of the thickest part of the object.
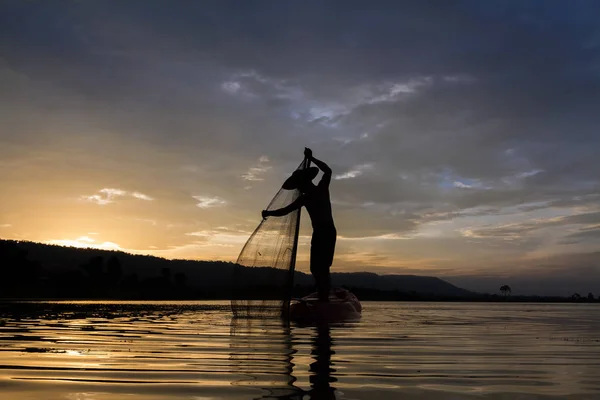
(322, 166)
(326, 179)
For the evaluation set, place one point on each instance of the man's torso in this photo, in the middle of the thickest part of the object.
(318, 205)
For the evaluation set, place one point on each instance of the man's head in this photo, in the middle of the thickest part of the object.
(301, 179)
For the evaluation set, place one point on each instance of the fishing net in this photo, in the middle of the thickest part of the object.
(261, 357)
(263, 276)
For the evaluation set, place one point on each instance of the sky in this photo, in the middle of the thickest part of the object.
(463, 135)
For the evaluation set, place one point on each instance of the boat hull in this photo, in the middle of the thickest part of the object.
(342, 306)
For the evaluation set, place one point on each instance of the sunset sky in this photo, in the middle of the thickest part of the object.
(464, 136)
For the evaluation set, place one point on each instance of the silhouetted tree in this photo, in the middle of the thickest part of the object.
(130, 281)
(94, 269)
(180, 279)
(505, 289)
(114, 271)
(166, 275)
(576, 296)
(590, 296)
(17, 269)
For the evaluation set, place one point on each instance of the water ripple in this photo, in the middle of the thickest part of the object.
(194, 350)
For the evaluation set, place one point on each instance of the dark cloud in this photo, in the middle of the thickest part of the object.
(591, 234)
(519, 231)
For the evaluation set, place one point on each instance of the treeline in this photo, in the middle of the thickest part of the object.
(39, 271)
(98, 276)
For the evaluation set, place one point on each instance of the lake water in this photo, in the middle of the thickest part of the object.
(193, 350)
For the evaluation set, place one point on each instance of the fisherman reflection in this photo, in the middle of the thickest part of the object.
(253, 342)
(320, 370)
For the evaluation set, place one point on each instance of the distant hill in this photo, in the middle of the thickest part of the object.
(32, 269)
(401, 283)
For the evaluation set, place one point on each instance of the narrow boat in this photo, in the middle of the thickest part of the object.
(342, 306)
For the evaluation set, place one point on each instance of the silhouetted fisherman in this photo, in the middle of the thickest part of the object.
(318, 204)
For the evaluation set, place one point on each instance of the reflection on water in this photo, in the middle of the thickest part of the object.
(194, 350)
(264, 351)
(321, 369)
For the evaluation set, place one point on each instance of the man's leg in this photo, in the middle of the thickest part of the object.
(320, 273)
(323, 282)
(321, 257)
(326, 285)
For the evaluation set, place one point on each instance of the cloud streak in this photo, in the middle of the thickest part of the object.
(85, 242)
(354, 172)
(208, 202)
(111, 195)
(255, 173)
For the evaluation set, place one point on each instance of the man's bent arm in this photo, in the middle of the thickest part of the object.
(299, 202)
(326, 171)
(322, 166)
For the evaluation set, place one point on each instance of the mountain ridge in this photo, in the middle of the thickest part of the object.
(70, 264)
